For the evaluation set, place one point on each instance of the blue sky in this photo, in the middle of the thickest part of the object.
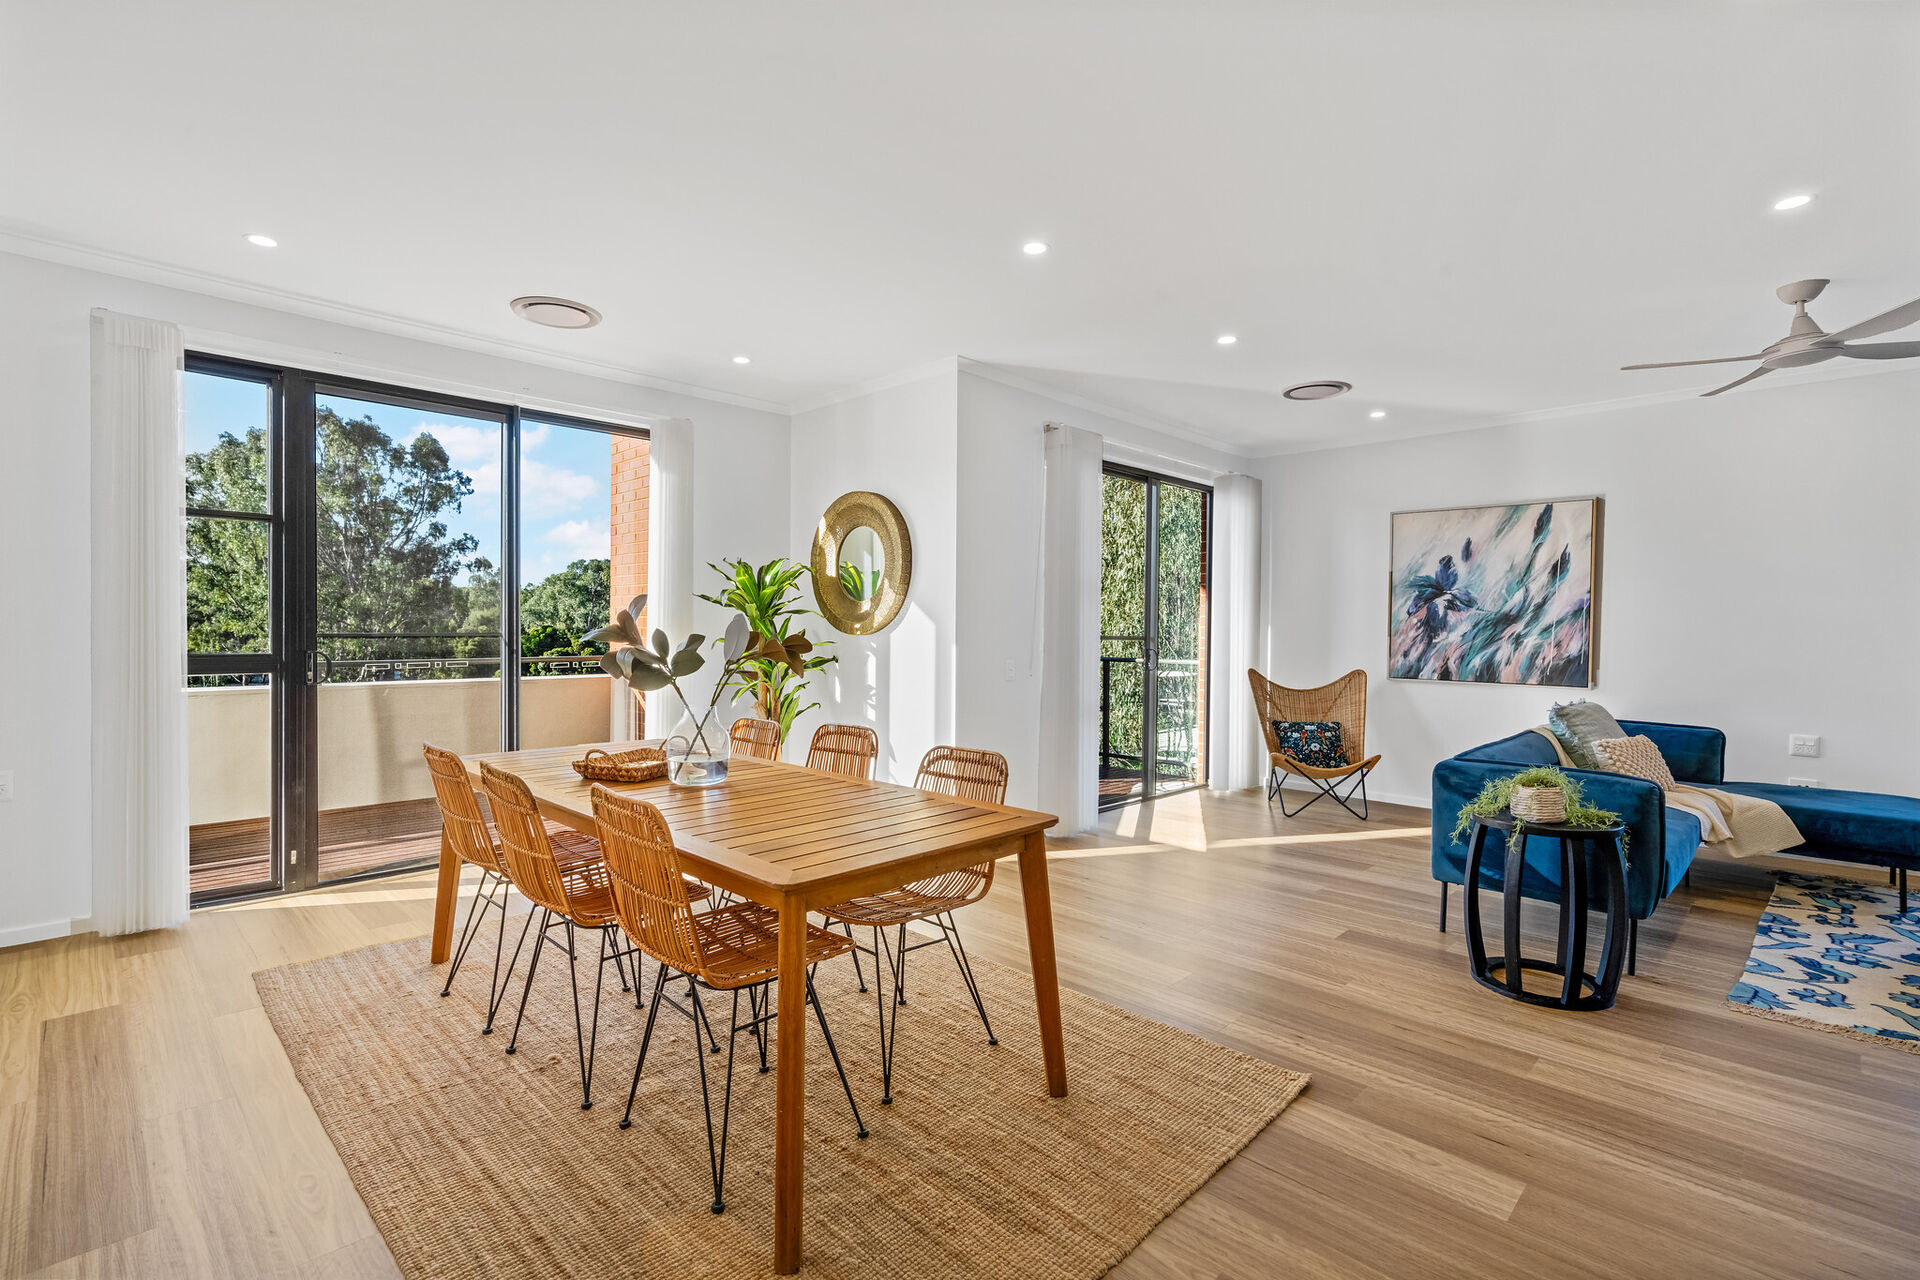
(564, 470)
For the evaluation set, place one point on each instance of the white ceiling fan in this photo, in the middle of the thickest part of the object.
(1807, 343)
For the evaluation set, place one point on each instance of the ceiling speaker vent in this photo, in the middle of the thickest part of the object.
(1317, 390)
(556, 313)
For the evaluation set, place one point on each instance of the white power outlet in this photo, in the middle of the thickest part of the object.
(1803, 744)
(6, 786)
(1803, 782)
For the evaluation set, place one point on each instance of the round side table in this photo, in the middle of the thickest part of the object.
(1579, 990)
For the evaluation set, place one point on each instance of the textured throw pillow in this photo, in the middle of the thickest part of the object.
(1637, 756)
(1314, 742)
(1579, 725)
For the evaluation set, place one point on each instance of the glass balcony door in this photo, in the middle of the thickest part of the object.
(1155, 561)
(406, 571)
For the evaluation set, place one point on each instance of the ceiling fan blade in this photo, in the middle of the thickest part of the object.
(1737, 381)
(1886, 322)
(1881, 350)
(1679, 364)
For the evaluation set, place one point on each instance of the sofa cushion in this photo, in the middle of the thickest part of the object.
(1579, 725)
(1836, 821)
(1635, 756)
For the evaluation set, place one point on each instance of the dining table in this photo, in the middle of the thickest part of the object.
(796, 840)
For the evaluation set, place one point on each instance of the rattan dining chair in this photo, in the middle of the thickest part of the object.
(731, 949)
(1343, 702)
(847, 749)
(468, 836)
(965, 774)
(752, 736)
(566, 880)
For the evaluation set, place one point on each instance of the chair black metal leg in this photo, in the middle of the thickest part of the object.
(499, 996)
(533, 965)
(579, 1033)
(885, 1010)
(900, 977)
(1443, 906)
(700, 1015)
(706, 1103)
(952, 932)
(855, 953)
(646, 1038)
(757, 1000)
(482, 892)
(820, 1016)
(1323, 789)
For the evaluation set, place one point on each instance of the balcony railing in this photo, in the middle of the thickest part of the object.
(1122, 763)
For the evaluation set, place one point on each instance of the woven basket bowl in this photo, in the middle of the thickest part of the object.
(641, 764)
(1539, 804)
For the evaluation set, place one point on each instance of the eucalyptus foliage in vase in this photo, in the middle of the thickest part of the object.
(698, 748)
(765, 596)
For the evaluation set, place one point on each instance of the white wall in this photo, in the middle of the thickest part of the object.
(740, 497)
(1000, 483)
(1759, 560)
(899, 441)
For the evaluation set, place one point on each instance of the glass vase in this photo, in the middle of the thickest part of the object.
(698, 749)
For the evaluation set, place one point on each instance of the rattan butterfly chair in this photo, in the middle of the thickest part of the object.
(1344, 702)
(728, 950)
(964, 774)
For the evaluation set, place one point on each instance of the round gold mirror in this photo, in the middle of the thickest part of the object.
(862, 563)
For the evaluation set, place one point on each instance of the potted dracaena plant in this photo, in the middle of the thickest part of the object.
(698, 748)
(766, 595)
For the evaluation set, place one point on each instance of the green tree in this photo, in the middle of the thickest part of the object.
(575, 600)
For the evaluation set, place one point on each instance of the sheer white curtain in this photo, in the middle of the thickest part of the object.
(1070, 629)
(139, 627)
(669, 551)
(1233, 739)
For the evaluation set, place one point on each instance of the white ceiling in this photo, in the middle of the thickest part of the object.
(1471, 211)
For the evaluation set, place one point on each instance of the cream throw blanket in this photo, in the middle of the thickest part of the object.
(1744, 826)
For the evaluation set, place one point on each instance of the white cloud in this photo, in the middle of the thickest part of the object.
(557, 546)
(546, 491)
(474, 450)
(534, 436)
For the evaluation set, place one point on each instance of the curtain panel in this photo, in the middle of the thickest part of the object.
(1236, 754)
(670, 584)
(138, 627)
(1070, 630)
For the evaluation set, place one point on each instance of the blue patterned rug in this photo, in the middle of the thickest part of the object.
(1836, 955)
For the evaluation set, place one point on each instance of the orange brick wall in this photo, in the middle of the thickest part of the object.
(628, 522)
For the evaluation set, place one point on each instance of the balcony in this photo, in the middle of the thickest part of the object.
(376, 801)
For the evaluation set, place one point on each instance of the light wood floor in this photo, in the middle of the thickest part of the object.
(150, 1124)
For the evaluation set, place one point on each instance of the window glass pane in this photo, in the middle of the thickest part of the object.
(1182, 648)
(583, 546)
(407, 556)
(227, 585)
(226, 422)
(229, 783)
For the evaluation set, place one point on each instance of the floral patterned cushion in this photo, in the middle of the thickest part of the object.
(1314, 742)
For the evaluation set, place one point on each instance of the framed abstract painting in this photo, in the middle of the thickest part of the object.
(1496, 595)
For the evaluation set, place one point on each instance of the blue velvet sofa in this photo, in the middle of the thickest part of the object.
(1847, 826)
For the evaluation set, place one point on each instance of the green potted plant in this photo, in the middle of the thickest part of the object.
(1541, 794)
(765, 596)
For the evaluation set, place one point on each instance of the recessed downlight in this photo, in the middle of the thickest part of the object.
(1324, 390)
(743, 359)
(1378, 413)
(556, 313)
(1797, 201)
(1227, 339)
(259, 241)
(1034, 248)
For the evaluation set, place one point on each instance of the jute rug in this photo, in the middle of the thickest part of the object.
(473, 1163)
(1836, 955)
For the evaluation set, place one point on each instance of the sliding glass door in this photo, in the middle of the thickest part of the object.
(1154, 565)
(355, 588)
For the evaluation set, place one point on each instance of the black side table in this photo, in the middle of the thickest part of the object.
(1580, 991)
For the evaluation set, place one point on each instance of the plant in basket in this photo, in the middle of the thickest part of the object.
(1542, 794)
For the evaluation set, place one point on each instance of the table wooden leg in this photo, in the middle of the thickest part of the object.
(446, 895)
(1046, 980)
(790, 1115)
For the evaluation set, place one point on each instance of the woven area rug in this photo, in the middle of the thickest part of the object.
(1836, 955)
(474, 1163)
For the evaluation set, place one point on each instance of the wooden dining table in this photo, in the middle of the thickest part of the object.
(796, 840)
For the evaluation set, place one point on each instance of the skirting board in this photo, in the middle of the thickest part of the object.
(22, 934)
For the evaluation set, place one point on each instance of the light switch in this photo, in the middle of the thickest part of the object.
(1803, 744)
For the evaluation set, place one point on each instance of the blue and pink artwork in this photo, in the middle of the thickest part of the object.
(1495, 595)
